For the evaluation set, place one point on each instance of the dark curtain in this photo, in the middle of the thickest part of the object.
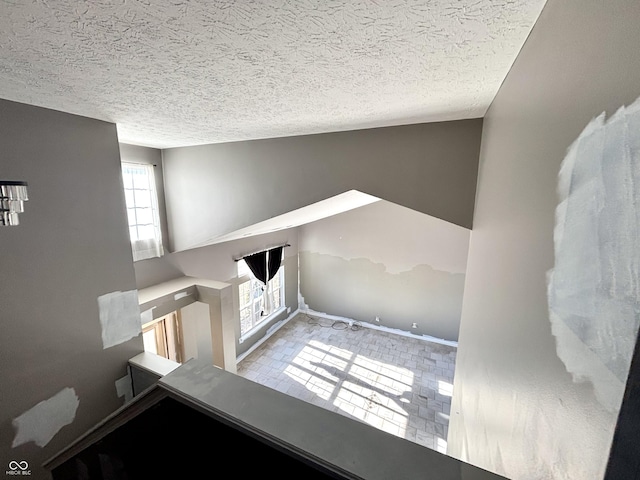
(275, 258)
(257, 263)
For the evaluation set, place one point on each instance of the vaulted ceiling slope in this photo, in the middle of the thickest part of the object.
(176, 72)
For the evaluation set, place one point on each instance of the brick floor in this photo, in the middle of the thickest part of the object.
(398, 384)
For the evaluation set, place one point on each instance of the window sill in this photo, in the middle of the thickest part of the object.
(266, 320)
(148, 258)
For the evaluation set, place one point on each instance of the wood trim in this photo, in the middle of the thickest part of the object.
(179, 336)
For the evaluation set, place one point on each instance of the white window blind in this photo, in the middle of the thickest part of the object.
(142, 210)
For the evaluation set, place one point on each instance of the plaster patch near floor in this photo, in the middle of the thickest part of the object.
(594, 287)
(119, 317)
(41, 423)
(124, 388)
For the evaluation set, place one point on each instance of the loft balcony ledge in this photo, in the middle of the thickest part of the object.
(200, 417)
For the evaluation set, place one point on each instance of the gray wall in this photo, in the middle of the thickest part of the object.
(216, 262)
(516, 409)
(215, 189)
(71, 247)
(387, 261)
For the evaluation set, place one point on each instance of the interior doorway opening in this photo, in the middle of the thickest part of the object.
(163, 336)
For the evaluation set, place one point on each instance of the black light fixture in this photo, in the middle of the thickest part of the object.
(13, 194)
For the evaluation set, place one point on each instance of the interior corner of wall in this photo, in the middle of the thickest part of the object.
(301, 303)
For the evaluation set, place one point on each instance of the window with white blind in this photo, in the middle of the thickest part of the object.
(142, 210)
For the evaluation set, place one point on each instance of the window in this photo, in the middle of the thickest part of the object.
(142, 210)
(251, 293)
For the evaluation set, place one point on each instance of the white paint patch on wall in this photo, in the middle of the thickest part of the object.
(124, 388)
(119, 317)
(302, 305)
(594, 287)
(146, 316)
(40, 423)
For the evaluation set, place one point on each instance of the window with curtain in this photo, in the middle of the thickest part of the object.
(252, 298)
(142, 210)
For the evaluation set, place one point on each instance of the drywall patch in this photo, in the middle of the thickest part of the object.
(124, 388)
(40, 423)
(146, 316)
(593, 289)
(301, 303)
(119, 317)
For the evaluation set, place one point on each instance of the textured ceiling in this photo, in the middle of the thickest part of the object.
(177, 72)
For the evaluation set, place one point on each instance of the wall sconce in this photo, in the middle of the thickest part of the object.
(12, 197)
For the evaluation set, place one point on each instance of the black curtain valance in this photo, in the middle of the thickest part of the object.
(265, 265)
(257, 263)
(275, 258)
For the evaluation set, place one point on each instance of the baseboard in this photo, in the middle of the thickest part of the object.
(395, 331)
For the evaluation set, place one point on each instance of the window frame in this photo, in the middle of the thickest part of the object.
(255, 319)
(150, 246)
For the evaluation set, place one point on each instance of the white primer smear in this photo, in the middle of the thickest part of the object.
(124, 388)
(593, 289)
(146, 316)
(40, 423)
(119, 317)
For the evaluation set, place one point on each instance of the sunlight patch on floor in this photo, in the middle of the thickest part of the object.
(369, 390)
(445, 388)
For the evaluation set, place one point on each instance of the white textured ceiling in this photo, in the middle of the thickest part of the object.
(177, 72)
